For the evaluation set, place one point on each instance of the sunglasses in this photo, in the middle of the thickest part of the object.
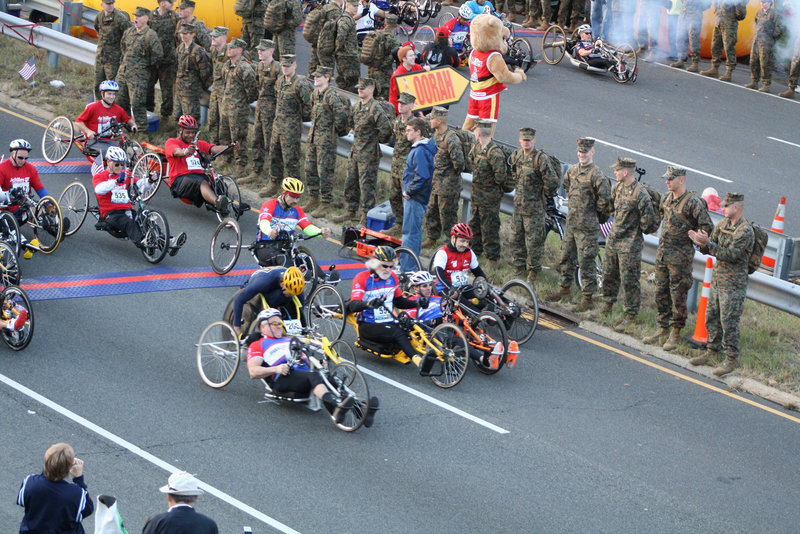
(387, 265)
(22, 157)
(275, 324)
(116, 163)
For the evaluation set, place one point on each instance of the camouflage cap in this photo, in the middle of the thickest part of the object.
(322, 71)
(141, 12)
(265, 44)
(624, 163)
(585, 144)
(527, 133)
(186, 4)
(674, 172)
(188, 28)
(438, 112)
(365, 82)
(391, 19)
(730, 198)
(483, 123)
(218, 31)
(287, 60)
(406, 98)
(352, 2)
(237, 43)
(109, 1)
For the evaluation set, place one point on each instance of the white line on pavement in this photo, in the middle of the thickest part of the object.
(714, 176)
(783, 141)
(145, 455)
(428, 398)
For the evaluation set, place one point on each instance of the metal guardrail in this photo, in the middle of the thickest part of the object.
(47, 39)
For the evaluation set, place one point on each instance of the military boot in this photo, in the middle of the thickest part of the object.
(789, 93)
(527, 21)
(713, 72)
(727, 76)
(765, 87)
(363, 220)
(323, 209)
(674, 339)
(677, 64)
(251, 179)
(586, 304)
(556, 296)
(311, 205)
(659, 338)
(627, 320)
(725, 367)
(695, 66)
(702, 359)
(519, 273)
(241, 171)
(348, 216)
(269, 190)
(532, 277)
(606, 309)
(753, 84)
(395, 231)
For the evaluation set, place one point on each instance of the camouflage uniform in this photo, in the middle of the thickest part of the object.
(402, 147)
(448, 164)
(332, 12)
(193, 72)
(725, 33)
(218, 60)
(536, 180)
(762, 55)
(293, 98)
(109, 35)
(164, 74)
(370, 124)
(252, 13)
(141, 54)
(202, 34)
(240, 91)
(794, 69)
(383, 74)
(690, 24)
(286, 38)
(489, 176)
(267, 76)
(346, 53)
(326, 110)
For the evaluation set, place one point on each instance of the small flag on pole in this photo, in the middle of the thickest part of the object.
(97, 166)
(605, 228)
(28, 69)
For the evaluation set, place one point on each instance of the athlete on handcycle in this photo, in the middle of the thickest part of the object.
(268, 357)
(587, 50)
(281, 288)
(421, 283)
(454, 261)
(95, 120)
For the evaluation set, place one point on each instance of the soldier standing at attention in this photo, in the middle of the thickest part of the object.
(589, 193)
(402, 147)
(490, 177)
(536, 180)
(681, 211)
(690, 23)
(293, 101)
(164, 21)
(794, 71)
(141, 49)
(186, 13)
(762, 54)
(371, 125)
(448, 164)
(218, 52)
(110, 24)
(267, 72)
(383, 73)
(193, 74)
(633, 212)
(252, 13)
(240, 90)
(723, 38)
(731, 243)
(333, 11)
(327, 109)
(348, 67)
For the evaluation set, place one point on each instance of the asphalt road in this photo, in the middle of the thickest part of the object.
(581, 436)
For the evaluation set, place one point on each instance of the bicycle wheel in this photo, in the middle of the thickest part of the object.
(156, 236)
(218, 354)
(424, 36)
(49, 225)
(225, 246)
(625, 69)
(445, 18)
(348, 381)
(491, 331)
(134, 151)
(57, 139)
(9, 265)
(147, 164)
(425, 11)
(450, 340)
(406, 257)
(522, 314)
(325, 311)
(9, 231)
(521, 49)
(74, 204)
(554, 44)
(17, 308)
(227, 186)
(409, 18)
(344, 351)
(304, 260)
(598, 269)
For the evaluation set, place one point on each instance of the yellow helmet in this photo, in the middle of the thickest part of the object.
(293, 186)
(293, 281)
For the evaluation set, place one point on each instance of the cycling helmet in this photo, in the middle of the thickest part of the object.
(384, 253)
(19, 144)
(265, 315)
(293, 281)
(465, 12)
(421, 277)
(461, 230)
(115, 153)
(584, 28)
(293, 186)
(109, 85)
(187, 121)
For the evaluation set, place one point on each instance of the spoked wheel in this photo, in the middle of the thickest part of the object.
(424, 36)
(344, 351)
(554, 44)
(521, 50)
(9, 265)
(74, 204)
(409, 18)
(17, 311)
(49, 225)
(407, 263)
(225, 246)
(598, 269)
(325, 311)
(304, 260)
(227, 186)
(523, 310)
(491, 331)
(626, 68)
(425, 11)
(149, 167)
(348, 381)
(134, 151)
(156, 236)
(445, 18)
(57, 139)
(9, 231)
(451, 341)
(218, 354)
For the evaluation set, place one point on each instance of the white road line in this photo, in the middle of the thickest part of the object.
(783, 141)
(714, 176)
(144, 454)
(428, 398)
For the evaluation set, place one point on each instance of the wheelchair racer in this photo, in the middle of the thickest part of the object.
(459, 31)
(95, 120)
(282, 213)
(422, 285)
(267, 359)
(281, 288)
(586, 49)
(375, 293)
(454, 261)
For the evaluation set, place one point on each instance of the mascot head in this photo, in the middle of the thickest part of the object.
(486, 32)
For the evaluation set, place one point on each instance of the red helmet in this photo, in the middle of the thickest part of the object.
(187, 121)
(461, 230)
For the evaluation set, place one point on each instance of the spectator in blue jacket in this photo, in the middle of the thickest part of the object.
(52, 504)
(417, 182)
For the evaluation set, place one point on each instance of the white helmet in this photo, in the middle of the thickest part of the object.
(584, 28)
(115, 153)
(465, 12)
(265, 315)
(421, 277)
(19, 144)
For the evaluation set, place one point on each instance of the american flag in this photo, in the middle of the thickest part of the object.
(605, 228)
(28, 69)
(97, 166)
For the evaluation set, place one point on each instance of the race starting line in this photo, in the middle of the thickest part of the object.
(68, 166)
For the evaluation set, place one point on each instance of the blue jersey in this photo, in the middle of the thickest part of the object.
(478, 9)
(367, 286)
(431, 313)
(274, 352)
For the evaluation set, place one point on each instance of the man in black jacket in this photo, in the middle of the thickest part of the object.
(182, 491)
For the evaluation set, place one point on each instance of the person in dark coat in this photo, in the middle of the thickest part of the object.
(182, 491)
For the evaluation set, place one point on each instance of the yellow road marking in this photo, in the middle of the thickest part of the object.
(23, 117)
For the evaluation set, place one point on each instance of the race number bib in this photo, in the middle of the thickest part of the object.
(293, 327)
(459, 278)
(383, 315)
(119, 195)
(193, 163)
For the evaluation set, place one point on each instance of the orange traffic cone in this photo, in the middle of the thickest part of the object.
(700, 336)
(777, 226)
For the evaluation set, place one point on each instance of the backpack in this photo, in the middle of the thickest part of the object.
(313, 25)
(467, 140)
(759, 246)
(326, 42)
(282, 15)
(243, 8)
(557, 166)
(740, 11)
(341, 125)
(508, 151)
(388, 112)
(435, 56)
(655, 199)
(373, 49)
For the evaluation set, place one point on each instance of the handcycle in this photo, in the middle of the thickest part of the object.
(361, 242)
(59, 136)
(74, 201)
(519, 54)
(219, 352)
(44, 217)
(408, 14)
(622, 63)
(15, 307)
(9, 266)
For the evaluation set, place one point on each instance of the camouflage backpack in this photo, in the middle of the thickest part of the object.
(507, 151)
(326, 42)
(740, 11)
(341, 125)
(313, 25)
(759, 246)
(387, 110)
(557, 167)
(467, 140)
(276, 15)
(373, 49)
(655, 199)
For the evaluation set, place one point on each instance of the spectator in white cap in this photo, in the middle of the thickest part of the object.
(182, 490)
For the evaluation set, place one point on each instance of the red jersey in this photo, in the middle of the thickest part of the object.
(394, 92)
(115, 199)
(482, 83)
(456, 265)
(25, 178)
(189, 164)
(97, 117)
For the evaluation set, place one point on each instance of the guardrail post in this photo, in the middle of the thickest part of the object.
(466, 210)
(691, 297)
